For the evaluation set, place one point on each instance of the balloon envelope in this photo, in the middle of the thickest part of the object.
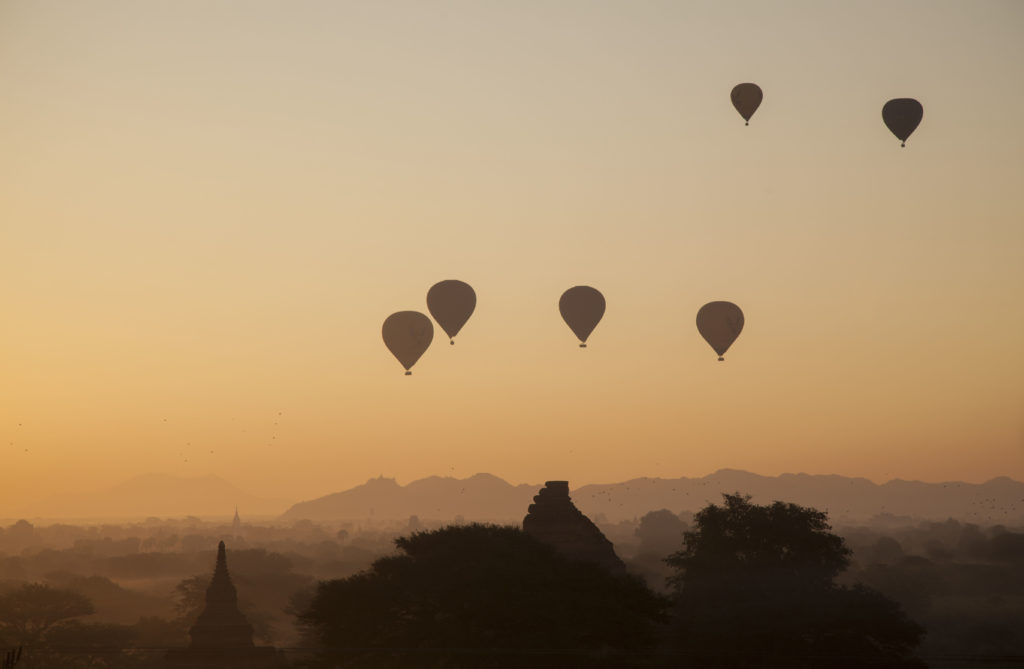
(720, 323)
(407, 334)
(746, 98)
(451, 303)
(582, 308)
(902, 117)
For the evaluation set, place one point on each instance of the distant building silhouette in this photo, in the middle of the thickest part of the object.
(236, 525)
(555, 520)
(222, 637)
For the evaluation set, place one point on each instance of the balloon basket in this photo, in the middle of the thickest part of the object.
(583, 345)
(408, 373)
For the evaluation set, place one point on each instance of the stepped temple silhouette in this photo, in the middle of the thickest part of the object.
(555, 520)
(222, 637)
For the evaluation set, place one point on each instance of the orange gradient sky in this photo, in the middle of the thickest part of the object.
(207, 209)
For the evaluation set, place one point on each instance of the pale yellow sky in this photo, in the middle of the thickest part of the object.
(207, 209)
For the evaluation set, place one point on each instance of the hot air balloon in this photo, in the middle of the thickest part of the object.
(582, 308)
(407, 334)
(451, 303)
(902, 117)
(720, 323)
(746, 98)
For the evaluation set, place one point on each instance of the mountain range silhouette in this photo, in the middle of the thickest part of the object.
(486, 497)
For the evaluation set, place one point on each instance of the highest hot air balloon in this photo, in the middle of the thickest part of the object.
(451, 303)
(902, 117)
(582, 308)
(407, 334)
(720, 323)
(746, 98)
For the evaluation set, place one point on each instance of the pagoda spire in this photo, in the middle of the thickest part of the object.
(222, 637)
(221, 624)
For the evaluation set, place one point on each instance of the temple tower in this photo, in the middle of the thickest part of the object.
(222, 637)
(221, 624)
(555, 520)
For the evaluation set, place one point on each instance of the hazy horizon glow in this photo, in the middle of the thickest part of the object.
(207, 211)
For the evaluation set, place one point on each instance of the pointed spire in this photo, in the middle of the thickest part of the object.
(222, 637)
(221, 588)
(221, 624)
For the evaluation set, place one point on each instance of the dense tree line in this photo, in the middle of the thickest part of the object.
(481, 596)
(963, 583)
(753, 587)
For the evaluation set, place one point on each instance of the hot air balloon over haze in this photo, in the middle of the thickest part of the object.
(582, 308)
(720, 323)
(746, 98)
(902, 116)
(407, 334)
(451, 303)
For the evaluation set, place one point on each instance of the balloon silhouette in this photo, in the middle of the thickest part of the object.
(407, 334)
(582, 308)
(720, 323)
(746, 98)
(902, 117)
(451, 303)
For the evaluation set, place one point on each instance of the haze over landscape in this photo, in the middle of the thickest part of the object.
(207, 214)
(735, 359)
(487, 498)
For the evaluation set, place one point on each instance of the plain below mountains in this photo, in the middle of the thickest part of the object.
(484, 497)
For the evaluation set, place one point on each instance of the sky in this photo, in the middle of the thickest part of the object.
(208, 209)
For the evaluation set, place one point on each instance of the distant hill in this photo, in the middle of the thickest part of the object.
(1000, 500)
(160, 495)
(480, 497)
(484, 497)
(848, 500)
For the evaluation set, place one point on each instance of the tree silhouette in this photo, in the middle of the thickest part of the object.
(32, 611)
(659, 532)
(482, 596)
(754, 587)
